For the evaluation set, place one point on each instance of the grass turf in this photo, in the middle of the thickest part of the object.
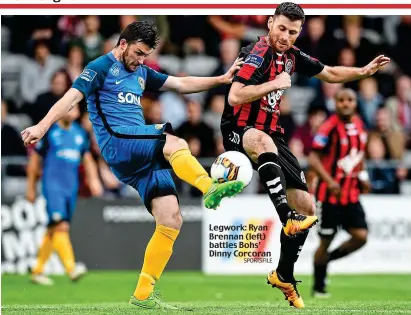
(108, 293)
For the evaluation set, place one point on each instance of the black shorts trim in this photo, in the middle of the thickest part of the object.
(336, 217)
(294, 175)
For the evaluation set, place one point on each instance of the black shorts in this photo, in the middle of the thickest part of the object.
(294, 175)
(333, 217)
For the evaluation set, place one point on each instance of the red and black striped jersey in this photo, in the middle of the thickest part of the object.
(342, 147)
(261, 65)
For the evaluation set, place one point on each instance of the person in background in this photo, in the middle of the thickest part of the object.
(59, 155)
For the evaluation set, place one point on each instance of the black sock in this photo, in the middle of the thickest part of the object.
(337, 254)
(320, 273)
(273, 181)
(290, 250)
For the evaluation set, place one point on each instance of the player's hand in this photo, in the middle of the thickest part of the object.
(229, 75)
(375, 65)
(31, 196)
(365, 187)
(32, 134)
(282, 81)
(334, 188)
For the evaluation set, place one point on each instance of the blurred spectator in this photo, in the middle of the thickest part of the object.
(246, 28)
(173, 107)
(301, 141)
(91, 40)
(123, 20)
(385, 144)
(369, 100)
(153, 113)
(60, 83)
(326, 100)
(286, 119)
(229, 50)
(71, 27)
(36, 74)
(347, 58)
(365, 43)
(75, 62)
(212, 116)
(196, 127)
(400, 106)
(184, 28)
(402, 49)
(11, 144)
(315, 42)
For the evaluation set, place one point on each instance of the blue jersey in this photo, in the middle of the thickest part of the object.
(62, 151)
(113, 94)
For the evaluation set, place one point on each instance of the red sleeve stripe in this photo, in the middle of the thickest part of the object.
(247, 70)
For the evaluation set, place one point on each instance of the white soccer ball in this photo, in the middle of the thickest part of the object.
(232, 165)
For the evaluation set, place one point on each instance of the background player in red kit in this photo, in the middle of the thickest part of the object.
(338, 160)
(250, 125)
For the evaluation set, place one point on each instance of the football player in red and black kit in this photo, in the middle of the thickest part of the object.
(250, 125)
(338, 159)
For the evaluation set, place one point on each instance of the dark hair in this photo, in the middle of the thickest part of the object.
(140, 31)
(290, 10)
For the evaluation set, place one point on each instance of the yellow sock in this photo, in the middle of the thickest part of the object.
(158, 252)
(63, 247)
(190, 170)
(46, 248)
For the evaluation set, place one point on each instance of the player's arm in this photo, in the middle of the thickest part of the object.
(89, 81)
(364, 179)
(92, 178)
(341, 74)
(58, 110)
(320, 146)
(187, 85)
(314, 160)
(241, 93)
(247, 86)
(33, 174)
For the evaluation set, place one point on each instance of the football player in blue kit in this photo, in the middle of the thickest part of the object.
(142, 155)
(58, 155)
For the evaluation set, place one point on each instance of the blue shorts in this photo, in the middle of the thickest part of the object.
(140, 162)
(59, 205)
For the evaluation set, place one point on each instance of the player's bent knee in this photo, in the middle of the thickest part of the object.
(166, 211)
(172, 145)
(256, 142)
(361, 237)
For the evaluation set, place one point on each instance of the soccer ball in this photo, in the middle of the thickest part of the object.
(232, 165)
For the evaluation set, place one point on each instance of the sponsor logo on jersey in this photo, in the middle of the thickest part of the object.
(115, 70)
(141, 82)
(88, 75)
(69, 154)
(288, 66)
(254, 61)
(128, 98)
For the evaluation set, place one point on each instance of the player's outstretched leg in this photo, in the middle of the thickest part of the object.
(46, 249)
(159, 250)
(187, 168)
(62, 245)
(262, 149)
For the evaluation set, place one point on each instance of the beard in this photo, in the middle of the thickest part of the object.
(128, 64)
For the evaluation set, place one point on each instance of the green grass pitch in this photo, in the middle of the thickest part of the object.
(108, 293)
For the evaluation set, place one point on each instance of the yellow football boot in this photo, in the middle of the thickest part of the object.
(289, 289)
(298, 223)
